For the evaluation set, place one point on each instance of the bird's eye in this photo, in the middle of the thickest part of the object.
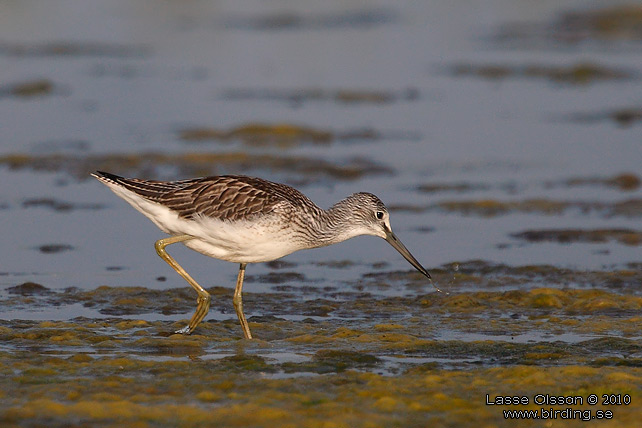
(379, 214)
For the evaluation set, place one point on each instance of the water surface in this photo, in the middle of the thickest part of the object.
(503, 136)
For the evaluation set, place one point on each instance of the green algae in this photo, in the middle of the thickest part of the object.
(623, 116)
(626, 181)
(296, 97)
(623, 236)
(109, 391)
(366, 17)
(259, 134)
(73, 49)
(492, 207)
(58, 205)
(189, 389)
(606, 25)
(495, 207)
(29, 89)
(284, 135)
(28, 289)
(191, 164)
(524, 289)
(578, 74)
(362, 360)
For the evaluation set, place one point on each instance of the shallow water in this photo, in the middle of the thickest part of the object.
(503, 136)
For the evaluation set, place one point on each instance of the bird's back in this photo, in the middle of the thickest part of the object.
(225, 197)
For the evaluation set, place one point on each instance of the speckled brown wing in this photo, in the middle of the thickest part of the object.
(226, 197)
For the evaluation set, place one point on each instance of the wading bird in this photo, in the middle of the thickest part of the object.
(247, 220)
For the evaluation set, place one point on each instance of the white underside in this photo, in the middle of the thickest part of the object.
(239, 241)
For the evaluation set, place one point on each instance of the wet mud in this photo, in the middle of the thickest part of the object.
(35, 88)
(375, 349)
(234, 391)
(350, 357)
(54, 248)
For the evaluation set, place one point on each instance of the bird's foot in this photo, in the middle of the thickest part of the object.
(184, 330)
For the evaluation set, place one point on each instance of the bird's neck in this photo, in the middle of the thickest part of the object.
(336, 224)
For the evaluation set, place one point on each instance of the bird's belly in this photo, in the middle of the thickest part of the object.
(260, 240)
(241, 242)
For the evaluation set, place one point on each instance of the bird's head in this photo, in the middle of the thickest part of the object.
(370, 217)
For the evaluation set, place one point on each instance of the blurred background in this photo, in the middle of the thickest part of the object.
(495, 130)
(504, 136)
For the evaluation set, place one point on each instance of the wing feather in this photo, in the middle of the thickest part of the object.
(226, 197)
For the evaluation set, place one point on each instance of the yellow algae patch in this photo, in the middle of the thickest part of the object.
(311, 339)
(462, 301)
(39, 372)
(433, 380)
(635, 320)
(485, 207)
(73, 395)
(70, 338)
(48, 324)
(373, 371)
(394, 341)
(130, 301)
(249, 414)
(32, 88)
(546, 356)
(50, 407)
(549, 291)
(598, 300)
(105, 410)
(124, 325)
(260, 134)
(523, 375)
(546, 298)
(627, 379)
(597, 304)
(348, 399)
(388, 327)
(387, 404)
(209, 396)
(104, 396)
(577, 371)
(344, 332)
(173, 343)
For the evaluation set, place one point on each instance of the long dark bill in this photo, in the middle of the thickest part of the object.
(396, 243)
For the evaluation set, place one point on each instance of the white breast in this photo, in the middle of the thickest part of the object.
(241, 241)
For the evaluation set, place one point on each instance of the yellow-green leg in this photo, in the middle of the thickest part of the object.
(203, 301)
(238, 301)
